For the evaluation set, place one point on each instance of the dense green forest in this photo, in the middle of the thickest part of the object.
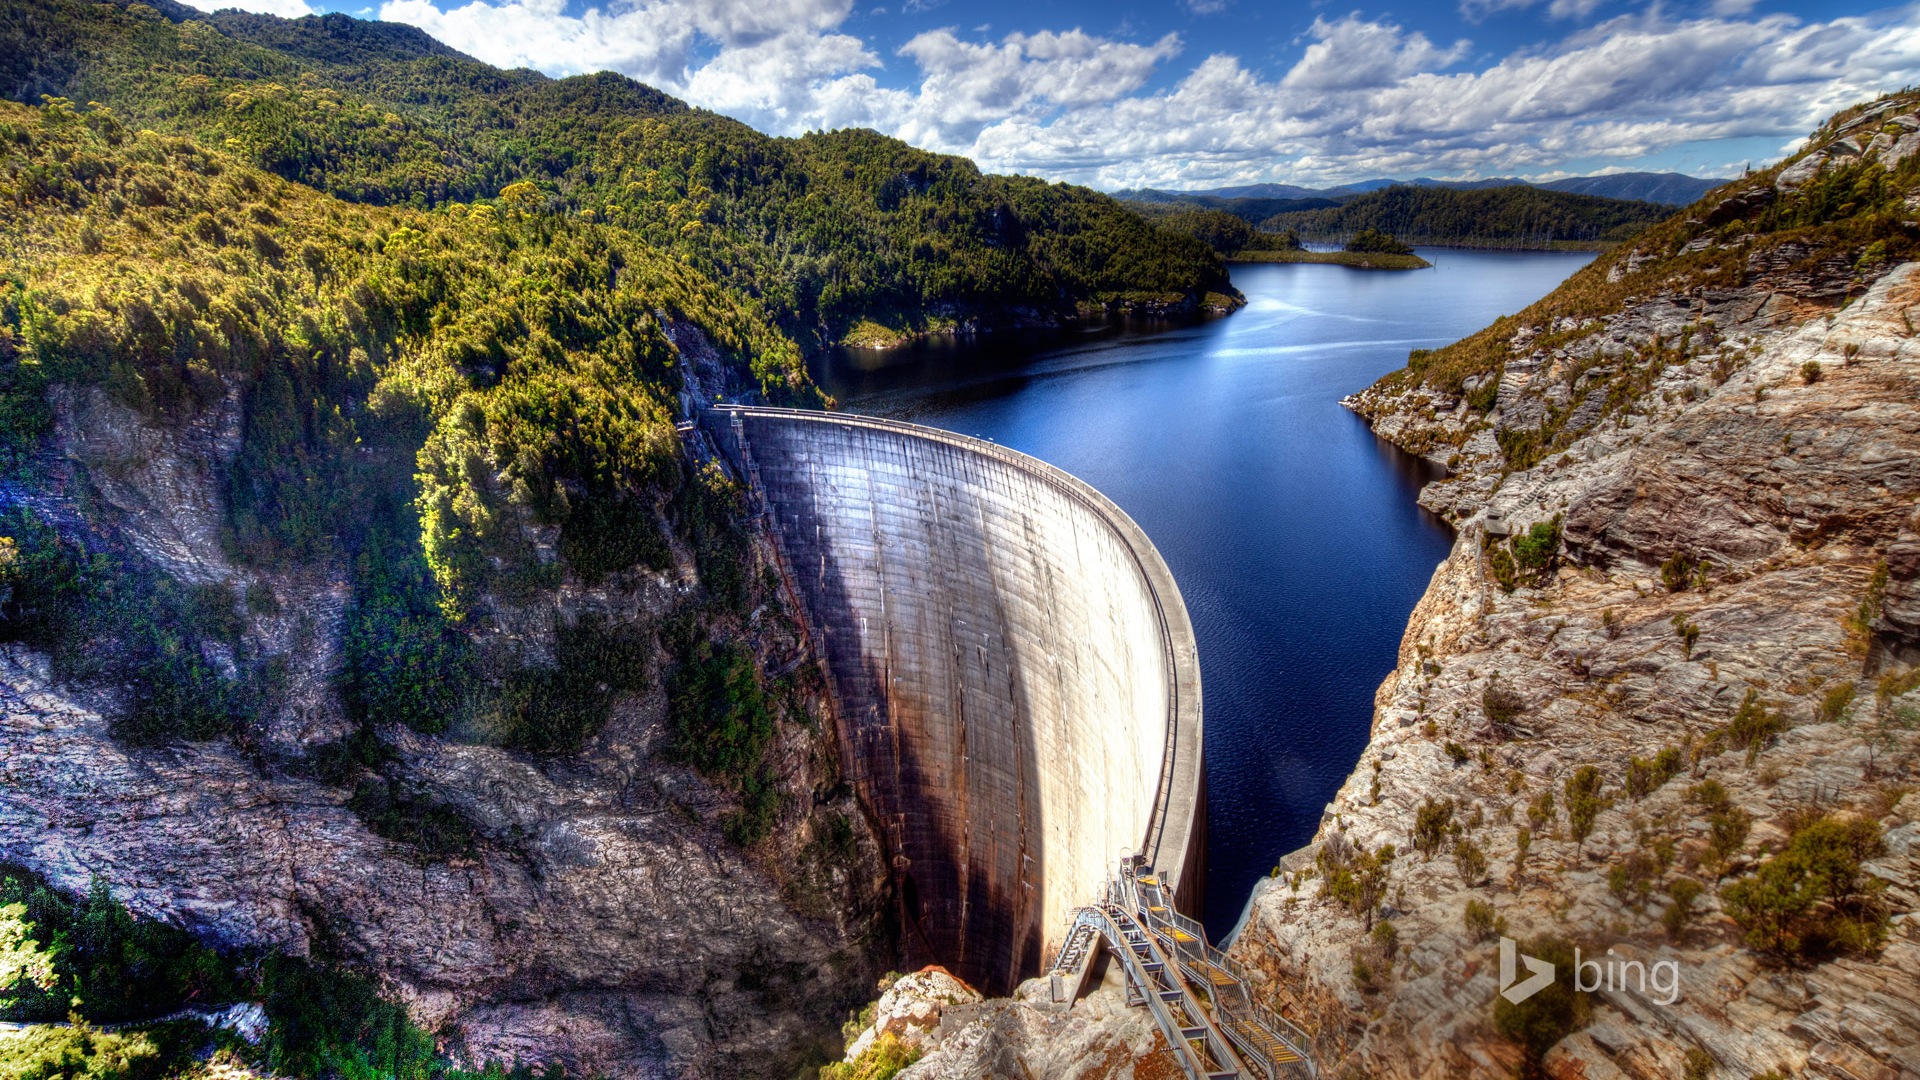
(1502, 217)
(824, 231)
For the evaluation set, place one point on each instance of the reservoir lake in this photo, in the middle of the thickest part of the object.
(1291, 529)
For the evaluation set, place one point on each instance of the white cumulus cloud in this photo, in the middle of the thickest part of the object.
(1364, 96)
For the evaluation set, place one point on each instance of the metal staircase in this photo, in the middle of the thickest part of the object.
(1197, 993)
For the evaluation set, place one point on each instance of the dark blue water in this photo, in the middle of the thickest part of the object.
(1292, 530)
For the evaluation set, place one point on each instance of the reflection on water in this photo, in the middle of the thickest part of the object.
(1291, 529)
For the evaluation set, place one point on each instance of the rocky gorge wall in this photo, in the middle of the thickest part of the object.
(1729, 494)
(1015, 673)
(601, 918)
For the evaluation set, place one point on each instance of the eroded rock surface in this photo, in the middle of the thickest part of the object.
(601, 921)
(1741, 521)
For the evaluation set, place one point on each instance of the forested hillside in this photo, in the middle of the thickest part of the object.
(1501, 217)
(825, 230)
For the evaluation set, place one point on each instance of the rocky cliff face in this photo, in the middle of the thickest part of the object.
(1687, 523)
(600, 918)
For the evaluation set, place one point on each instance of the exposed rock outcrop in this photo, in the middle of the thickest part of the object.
(954, 1034)
(1686, 525)
(601, 920)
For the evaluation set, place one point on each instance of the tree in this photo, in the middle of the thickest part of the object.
(1584, 802)
(22, 960)
(1551, 1014)
(1373, 241)
(1814, 898)
(1430, 826)
(1470, 860)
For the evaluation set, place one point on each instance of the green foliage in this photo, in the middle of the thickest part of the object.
(1509, 217)
(1727, 830)
(1554, 1012)
(80, 1052)
(1538, 547)
(1754, 726)
(1355, 879)
(720, 722)
(404, 664)
(117, 965)
(1834, 703)
(1698, 1064)
(709, 509)
(1502, 704)
(1431, 826)
(1645, 776)
(335, 1024)
(1500, 564)
(433, 829)
(823, 230)
(22, 961)
(885, 1057)
(1482, 923)
(1688, 631)
(1632, 879)
(1470, 860)
(1223, 232)
(1683, 894)
(1584, 801)
(1814, 900)
(1375, 241)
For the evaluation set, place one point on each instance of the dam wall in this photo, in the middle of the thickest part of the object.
(1018, 689)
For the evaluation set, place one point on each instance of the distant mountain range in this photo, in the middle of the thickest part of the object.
(1672, 189)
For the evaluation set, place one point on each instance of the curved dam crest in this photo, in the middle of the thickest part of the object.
(1016, 676)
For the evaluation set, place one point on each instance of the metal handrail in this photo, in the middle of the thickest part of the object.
(1244, 1020)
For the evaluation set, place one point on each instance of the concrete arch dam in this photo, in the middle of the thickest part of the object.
(1016, 676)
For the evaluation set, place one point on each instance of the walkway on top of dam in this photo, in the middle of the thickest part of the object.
(1196, 993)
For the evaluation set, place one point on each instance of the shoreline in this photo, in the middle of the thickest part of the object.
(1359, 260)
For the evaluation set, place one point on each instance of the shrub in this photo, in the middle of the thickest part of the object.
(434, 829)
(720, 723)
(1482, 923)
(1540, 810)
(884, 1058)
(117, 965)
(1810, 372)
(1584, 801)
(555, 710)
(1727, 830)
(1355, 879)
(1698, 1064)
(1431, 825)
(1754, 727)
(1644, 777)
(1683, 894)
(1457, 752)
(1631, 879)
(1814, 899)
(330, 1023)
(1834, 703)
(1502, 705)
(80, 1052)
(1470, 861)
(1678, 572)
(1500, 564)
(1537, 548)
(1554, 1012)
(1688, 631)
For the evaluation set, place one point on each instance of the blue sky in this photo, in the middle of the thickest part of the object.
(1201, 93)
